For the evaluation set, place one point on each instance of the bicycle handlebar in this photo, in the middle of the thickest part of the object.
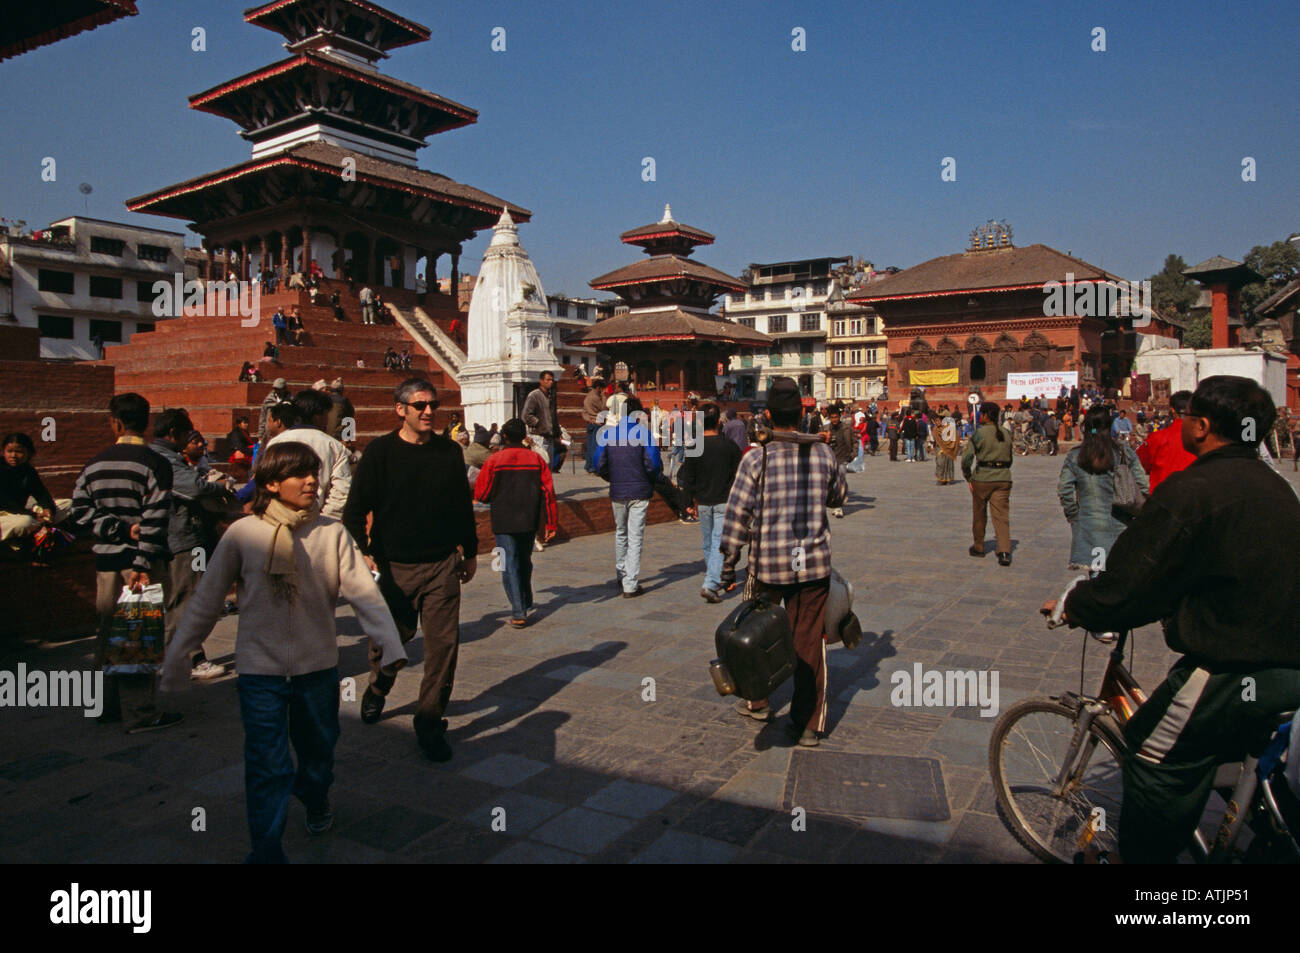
(1056, 619)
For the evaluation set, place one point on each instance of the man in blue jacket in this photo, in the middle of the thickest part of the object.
(626, 456)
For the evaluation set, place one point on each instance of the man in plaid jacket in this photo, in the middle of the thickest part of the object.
(793, 561)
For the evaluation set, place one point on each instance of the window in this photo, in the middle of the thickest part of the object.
(855, 325)
(142, 327)
(55, 326)
(747, 360)
(107, 246)
(144, 291)
(977, 371)
(837, 327)
(561, 309)
(60, 281)
(110, 332)
(871, 326)
(101, 287)
(819, 287)
(837, 357)
(776, 324)
(582, 312)
(855, 356)
(805, 352)
(872, 356)
(151, 252)
(745, 322)
(841, 387)
(810, 322)
(775, 357)
(857, 388)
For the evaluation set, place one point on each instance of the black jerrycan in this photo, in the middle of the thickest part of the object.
(755, 650)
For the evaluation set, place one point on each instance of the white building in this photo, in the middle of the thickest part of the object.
(83, 279)
(573, 315)
(511, 332)
(787, 301)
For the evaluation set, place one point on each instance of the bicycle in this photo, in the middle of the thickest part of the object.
(1027, 441)
(1055, 763)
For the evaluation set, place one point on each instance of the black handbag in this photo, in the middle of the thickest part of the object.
(1126, 503)
(755, 642)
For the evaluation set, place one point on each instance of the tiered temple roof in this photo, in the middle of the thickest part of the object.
(26, 27)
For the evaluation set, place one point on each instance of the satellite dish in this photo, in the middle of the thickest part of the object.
(85, 188)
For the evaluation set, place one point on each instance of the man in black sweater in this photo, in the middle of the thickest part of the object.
(423, 544)
(1212, 555)
(705, 481)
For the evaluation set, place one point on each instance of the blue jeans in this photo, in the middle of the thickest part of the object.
(629, 530)
(711, 536)
(591, 447)
(517, 570)
(276, 710)
(920, 448)
(909, 447)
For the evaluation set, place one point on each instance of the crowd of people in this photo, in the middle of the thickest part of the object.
(393, 532)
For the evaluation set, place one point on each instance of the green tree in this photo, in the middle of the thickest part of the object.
(1198, 332)
(1279, 263)
(1171, 290)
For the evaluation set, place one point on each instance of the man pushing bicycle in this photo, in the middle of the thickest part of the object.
(1213, 556)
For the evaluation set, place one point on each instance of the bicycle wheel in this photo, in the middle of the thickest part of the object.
(1026, 753)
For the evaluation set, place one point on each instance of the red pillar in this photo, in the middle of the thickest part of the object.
(1219, 315)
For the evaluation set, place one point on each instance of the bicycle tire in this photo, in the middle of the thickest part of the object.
(1055, 839)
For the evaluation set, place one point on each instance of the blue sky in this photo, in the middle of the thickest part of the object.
(1119, 157)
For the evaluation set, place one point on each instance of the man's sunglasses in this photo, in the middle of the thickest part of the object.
(420, 405)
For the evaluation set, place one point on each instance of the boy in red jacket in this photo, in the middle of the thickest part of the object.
(517, 483)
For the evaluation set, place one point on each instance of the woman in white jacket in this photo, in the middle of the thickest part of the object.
(290, 565)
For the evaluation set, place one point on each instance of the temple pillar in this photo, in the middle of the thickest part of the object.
(1219, 315)
(306, 250)
(207, 276)
(455, 276)
(285, 268)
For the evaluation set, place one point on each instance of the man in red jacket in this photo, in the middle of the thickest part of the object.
(517, 483)
(1163, 452)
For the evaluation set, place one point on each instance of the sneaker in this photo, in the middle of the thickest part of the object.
(320, 819)
(634, 593)
(710, 595)
(156, 722)
(372, 706)
(538, 546)
(205, 670)
(766, 713)
(437, 749)
(1004, 559)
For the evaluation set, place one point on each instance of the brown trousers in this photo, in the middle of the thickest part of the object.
(805, 602)
(184, 580)
(427, 595)
(997, 497)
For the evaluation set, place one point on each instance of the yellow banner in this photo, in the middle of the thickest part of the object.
(932, 378)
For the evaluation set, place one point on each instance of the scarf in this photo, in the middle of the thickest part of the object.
(279, 563)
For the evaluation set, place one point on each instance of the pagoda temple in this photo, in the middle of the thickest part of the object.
(26, 27)
(667, 339)
(333, 175)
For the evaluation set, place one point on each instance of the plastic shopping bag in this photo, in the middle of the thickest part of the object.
(136, 640)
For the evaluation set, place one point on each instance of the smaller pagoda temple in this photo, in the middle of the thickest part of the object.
(668, 339)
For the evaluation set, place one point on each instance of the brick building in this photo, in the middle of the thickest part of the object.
(968, 320)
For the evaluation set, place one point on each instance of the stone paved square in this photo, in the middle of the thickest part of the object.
(551, 722)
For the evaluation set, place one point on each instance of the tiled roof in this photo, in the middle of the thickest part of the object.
(661, 267)
(983, 270)
(215, 100)
(667, 230)
(277, 16)
(1286, 297)
(52, 20)
(329, 158)
(672, 325)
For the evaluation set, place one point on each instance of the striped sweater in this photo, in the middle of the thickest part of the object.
(126, 484)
